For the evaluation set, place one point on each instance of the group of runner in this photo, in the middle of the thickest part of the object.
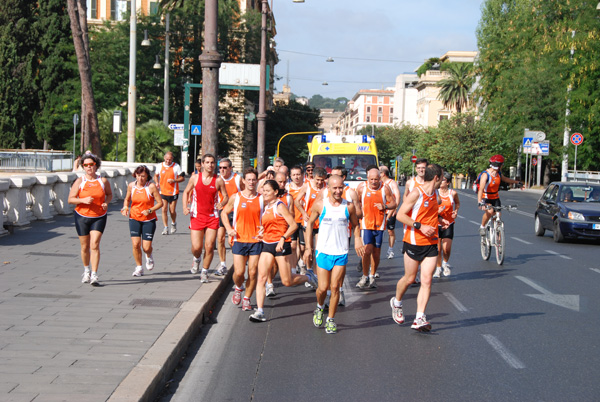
(302, 220)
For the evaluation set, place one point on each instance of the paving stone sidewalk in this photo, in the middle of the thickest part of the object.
(61, 340)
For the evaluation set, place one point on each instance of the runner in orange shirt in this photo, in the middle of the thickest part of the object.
(419, 214)
(247, 207)
(376, 199)
(307, 196)
(145, 200)
(200, 201)
(293, 188)
(233, 184)
(448, 209)
(168, 176)
(391, 214)
(91, 195)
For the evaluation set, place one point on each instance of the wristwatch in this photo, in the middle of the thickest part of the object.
(417, 225)
(149, 211)
(283, 237)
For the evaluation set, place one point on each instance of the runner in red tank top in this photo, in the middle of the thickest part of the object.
(419, 214)
(200, 201)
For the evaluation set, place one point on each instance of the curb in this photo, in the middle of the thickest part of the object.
(145, 380)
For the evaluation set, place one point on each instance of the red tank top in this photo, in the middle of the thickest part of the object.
(206, 197)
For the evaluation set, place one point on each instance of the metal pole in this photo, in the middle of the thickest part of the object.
(565, 161)
(131, 102)
(210, 61)
(261, 116)
(166, 96)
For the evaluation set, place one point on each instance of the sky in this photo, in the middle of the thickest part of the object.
(371, 41)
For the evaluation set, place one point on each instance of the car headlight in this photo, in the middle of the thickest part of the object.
(575, 216)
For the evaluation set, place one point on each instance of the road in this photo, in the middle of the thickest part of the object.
(526, 330)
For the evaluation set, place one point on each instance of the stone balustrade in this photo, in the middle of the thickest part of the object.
(27, 197)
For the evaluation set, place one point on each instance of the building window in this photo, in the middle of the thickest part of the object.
(391, 119)
(368, 119)
(118, 8)
(379, 110)
(368, 99)
(368, 109)
(443, 117)
(153, 7)
(379, 119)
(391, 110)
(380, 99)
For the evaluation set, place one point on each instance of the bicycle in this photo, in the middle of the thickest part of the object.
(494, 235)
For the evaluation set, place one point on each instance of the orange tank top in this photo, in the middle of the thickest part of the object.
(490, 191)
(424, 211)
(274, 224)
(246, 217)
(95, 189)
(373, 218)
(294, 193)
(232, 185)
(310, 197)
(141, 200)
(448, 206)
(166, 173)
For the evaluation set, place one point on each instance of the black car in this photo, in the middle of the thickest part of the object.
(569, 210)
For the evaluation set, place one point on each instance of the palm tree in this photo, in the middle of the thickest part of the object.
(455, 89)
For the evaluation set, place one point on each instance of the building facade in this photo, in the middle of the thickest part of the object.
(368, 107)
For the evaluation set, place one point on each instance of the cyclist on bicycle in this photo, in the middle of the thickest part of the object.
(489, 184)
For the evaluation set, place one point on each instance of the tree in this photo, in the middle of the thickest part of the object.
(455, 89)
(78, 17)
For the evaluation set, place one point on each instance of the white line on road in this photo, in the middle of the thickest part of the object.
(558, 254)
(567, 301)
(595, 269)
(521, 240)
(459, 306)
(476, 223)
(504, 353)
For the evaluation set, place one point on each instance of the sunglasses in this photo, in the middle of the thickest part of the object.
(88, 164)
(224, 167)
(309, 170)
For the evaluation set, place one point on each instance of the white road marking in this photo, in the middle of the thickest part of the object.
(521, 240)
(476, 223)
(595, 269)
(558, 254)
(459, 306)
(504, 353)
(567, 301)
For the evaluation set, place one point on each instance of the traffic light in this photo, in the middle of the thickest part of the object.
(271, 160)
(253, 162)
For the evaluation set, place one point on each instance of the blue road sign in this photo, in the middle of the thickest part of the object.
(527, 142)
(196, 129)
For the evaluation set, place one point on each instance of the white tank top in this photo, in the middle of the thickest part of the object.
(333, 229)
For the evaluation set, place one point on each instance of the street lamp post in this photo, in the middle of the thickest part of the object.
(131, 102)
(261, 116)
(166, 87)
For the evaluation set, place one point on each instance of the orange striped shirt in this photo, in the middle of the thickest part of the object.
(448, 205)
(141, 200)
(373, 218)
(312, 194)
(169, 172)
(294, 193)
(246, 217)
(95, 189)
(424, 211)
(232, 185)
(274, 224)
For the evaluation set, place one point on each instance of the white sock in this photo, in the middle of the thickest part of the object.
(397, 303)
(419, 315)
(320, 307)
(260, 310)
(86, 268)
(204, 271)
(223, 264)
(197, 259)
(329, 319)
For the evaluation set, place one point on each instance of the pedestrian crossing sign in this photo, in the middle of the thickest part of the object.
(196, 130)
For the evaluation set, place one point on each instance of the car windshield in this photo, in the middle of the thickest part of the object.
(581, 193)
(355, 164)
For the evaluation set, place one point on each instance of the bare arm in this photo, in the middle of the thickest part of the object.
(456, 204)
(107, 192)
(223, 190)
(185, 198)
(482, 181)
(127, 200)
(73, 199)
(308, 235)
(358, 244)
(227, 209)
(292, 225)
(404, 217)
(298, 202)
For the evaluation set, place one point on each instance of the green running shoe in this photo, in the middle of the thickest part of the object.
(330, 327)
(318, 317)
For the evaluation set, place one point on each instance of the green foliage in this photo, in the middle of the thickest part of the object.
(432, 63)
(395, 141)
(283, 119)
(454, 92)
(319, 102)
(526, 69)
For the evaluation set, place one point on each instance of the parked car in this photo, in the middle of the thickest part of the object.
(569, 210)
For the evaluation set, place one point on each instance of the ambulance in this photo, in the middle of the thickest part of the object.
(354, 152)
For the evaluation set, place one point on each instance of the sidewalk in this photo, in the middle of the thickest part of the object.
(64, 340)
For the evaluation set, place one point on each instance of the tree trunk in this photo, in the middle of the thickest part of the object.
(77, 16)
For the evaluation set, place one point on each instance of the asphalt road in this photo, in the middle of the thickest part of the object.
(525, 330)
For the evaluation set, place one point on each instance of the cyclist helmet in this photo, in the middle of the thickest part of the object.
(497, 159)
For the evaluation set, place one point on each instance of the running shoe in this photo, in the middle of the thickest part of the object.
(481, 231)
(94, 281)
(376, 275)
(271, 291)
(196, 265)
(363, 283)
(312, 278)
(204, 276)
(390, 253)
(237, 296)
(257, 316)
(222, 271)
(438, 272)
(342, 301)
(173, 227)
(421, 324)
(318, 317)
(372, 283)
(330, 327)
(149, 262)
(397, 313)
(246, 305)
(447, 269)
(86, 277)
(165, 231)
(139, 271)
